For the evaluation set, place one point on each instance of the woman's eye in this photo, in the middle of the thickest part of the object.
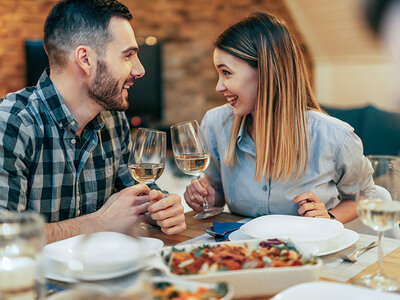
(226, 73)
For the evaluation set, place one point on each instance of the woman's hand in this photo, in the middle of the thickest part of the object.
(198, 191)
(311, 206)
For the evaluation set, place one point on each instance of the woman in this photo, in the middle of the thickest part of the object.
(273, 151)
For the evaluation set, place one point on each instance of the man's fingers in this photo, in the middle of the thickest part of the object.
(140, 209)
(167, 213)
(155, 195)
(174, 229)
(164, 203)
(136, 190)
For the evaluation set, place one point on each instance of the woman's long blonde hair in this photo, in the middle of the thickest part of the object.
(284, 96)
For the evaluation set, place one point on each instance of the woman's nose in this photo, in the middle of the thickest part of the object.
(220, 86)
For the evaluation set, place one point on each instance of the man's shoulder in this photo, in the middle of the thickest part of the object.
(19, 106)
(17, 101)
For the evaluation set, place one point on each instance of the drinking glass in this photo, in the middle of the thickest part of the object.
(147, 156)
(380, 210)
(192, 156)
(21, 264)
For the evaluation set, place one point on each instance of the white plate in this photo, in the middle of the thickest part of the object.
(331, 291)
(296, 228)
(104, 255)
(345, 239)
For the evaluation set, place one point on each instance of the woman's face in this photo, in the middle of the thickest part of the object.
(237, 80)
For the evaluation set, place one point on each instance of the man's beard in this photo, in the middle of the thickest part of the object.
(105, 90)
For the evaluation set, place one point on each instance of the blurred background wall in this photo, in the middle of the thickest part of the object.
(347, 65)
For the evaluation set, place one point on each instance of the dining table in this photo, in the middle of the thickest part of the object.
(333, 269)
(196, 227)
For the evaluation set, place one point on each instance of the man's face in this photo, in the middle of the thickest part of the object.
(118, 69)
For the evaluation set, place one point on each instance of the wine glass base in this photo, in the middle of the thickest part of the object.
(378, 282)
(209, 212)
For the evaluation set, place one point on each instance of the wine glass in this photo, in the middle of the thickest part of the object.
(147, 156)
(192, 156)
(379, 209)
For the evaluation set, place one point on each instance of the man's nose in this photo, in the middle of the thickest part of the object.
(138, 70)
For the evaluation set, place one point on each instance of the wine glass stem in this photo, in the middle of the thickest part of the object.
(205, 203)
(380, 254)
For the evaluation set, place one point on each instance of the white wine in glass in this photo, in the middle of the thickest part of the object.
(147, 157)
(379, 209)
(192, 156)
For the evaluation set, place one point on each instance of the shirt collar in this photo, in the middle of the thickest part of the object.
(244, 141)
(56, 106)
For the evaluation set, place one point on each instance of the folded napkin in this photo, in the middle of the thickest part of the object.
(221, 227)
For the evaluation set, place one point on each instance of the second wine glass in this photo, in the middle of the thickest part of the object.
(192, 156)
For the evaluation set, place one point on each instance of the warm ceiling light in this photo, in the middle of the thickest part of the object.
(151, 40)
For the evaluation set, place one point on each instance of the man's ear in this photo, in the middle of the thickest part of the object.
(85, 58)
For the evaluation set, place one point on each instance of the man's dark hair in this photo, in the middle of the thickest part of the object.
(375, 10)
(80, 22)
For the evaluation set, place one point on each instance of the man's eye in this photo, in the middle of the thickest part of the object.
(128, 57)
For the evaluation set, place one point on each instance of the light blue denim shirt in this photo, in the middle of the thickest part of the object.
(332, 174)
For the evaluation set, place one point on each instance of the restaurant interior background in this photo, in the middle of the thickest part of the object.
(347, 64)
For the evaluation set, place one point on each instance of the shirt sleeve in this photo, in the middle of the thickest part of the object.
(16, 153)
(213, 172)
(353, 170)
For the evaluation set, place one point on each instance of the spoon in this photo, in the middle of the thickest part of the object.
(353, 257)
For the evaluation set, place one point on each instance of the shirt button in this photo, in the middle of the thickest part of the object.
(73, 141)
(265, 188)
(72, 123)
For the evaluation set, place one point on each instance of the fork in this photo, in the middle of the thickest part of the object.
(353, 257)
(219, 235)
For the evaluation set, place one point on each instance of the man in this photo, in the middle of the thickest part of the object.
(64, 144)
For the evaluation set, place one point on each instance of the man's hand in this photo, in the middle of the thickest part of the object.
(167, 212)
(125, 209)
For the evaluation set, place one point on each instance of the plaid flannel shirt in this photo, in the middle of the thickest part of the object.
(46, 167)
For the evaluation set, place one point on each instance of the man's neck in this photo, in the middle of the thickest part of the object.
(74, 94)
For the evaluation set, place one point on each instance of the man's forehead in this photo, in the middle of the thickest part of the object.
(121, 31)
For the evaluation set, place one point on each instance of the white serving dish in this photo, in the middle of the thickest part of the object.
(248, 282)
(344, 240)
(295, 228)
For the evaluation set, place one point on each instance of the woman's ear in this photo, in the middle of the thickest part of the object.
(85, 58)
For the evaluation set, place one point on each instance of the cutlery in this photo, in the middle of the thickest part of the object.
(353, 257)
(219, 235)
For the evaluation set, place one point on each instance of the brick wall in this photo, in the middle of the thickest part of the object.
(187, 30)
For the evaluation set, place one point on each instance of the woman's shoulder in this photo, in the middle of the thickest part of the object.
(321, 121)
(219, 115)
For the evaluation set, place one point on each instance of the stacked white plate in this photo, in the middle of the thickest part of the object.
(102, 255)
(327, 235)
